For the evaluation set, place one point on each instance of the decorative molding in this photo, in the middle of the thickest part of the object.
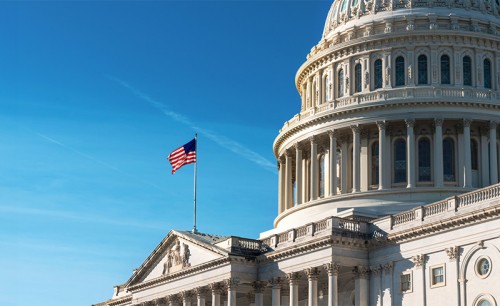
(232, 283)
(361, 272)
(312, 273)
(259, 286)
(216, 288)
(419, 260)
(452, 252)
(332, 268)
(276, 282)
(388, 267)
(293, 278)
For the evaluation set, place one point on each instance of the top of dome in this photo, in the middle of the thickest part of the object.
(344, 11)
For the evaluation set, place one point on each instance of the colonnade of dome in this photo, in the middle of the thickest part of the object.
(399, 107)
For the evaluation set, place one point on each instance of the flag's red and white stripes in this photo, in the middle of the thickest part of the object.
(183, 155)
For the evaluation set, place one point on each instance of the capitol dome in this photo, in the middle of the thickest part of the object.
(399, 105)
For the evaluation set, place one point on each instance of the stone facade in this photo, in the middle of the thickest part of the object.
(388, 175)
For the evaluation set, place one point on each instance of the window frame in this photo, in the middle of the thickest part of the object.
(378, 74)
(432, 281)
(408, 274)
(422, 69)
(442, 71)
(469, 73)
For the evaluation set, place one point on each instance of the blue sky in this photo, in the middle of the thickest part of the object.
(94, 96)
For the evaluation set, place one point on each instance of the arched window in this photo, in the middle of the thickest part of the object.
(467, 71)
(487, 73)
(340, 85)
(445, 69)
(357, 78)
(378, 74)
(400, 161)
(375, 163)
(449, 160)
(327, 88)
(474, 154)
(422, 70)
(424, 160)
(400, 71)
(322, 175)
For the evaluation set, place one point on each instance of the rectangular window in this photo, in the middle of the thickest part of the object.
(406, 282)
(438, 276)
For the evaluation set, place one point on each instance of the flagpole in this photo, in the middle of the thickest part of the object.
(195, 165)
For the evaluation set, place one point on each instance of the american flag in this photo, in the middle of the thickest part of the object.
(183, 155)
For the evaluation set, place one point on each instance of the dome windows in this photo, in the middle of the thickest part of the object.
(487, 73)
(357, 78)
(467, 70)
(377, 65)
(445, 69)
(400, 71)
(422, 70)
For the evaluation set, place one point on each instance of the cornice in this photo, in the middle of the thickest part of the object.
(116, 302)
(192, 270)
(326, 116)
(335, 238)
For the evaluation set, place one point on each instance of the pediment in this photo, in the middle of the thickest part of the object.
(178, 251)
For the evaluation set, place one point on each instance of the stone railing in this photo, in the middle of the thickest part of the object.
(323, 227)
(415, 93)
(442, 208)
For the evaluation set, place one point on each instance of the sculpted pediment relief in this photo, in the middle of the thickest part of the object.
(177, 252)
(177, 257)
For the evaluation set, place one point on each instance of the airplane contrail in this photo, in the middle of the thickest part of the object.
(221, 140)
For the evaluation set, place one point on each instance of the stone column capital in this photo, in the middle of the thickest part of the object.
(467, 122)
(332, 268)
(332, 134)
(259, 286)
(493, 125)
(453, 252)
(312, 139)
(410, 122)
(312, 273)
(216, 288)
(381, 125)
(388, 267)
(275, 282)
(376, 270)
(288, 153)
(186, 295)
(361, 272)
(200, 292)
(297, 146)
(173, 298)
(293, 278)
(438, 122)
(160, 301)
(419, 260)
(232, 283)
(355, 128)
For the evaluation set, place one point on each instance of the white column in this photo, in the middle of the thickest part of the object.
(381, 155)
(232, 285)
(333, 292)
(314, 169)
(298, 174)
(355, 158)
(410, 153)
(281, 185)
(493, 153)
(419, 278)
(467, 155)
(186, 298)
(258, 289)
(312, 279)
(288, 180)
(216, 289)
(361, 286)
(320, 88)
(388, 292)
(333, 162)
(343, 176)
(438, 152)
(200, 296)
(173, 300)
(275, 291)
(293, 280)
(485, 171)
